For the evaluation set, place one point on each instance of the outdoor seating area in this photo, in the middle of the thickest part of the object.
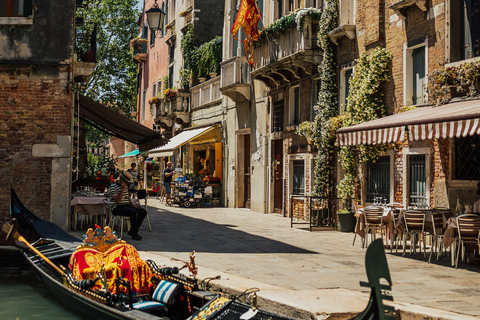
(435, 232)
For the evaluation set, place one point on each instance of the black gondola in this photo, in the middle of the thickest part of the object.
(49, 248)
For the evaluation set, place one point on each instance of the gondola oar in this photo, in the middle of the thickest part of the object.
(12, 233)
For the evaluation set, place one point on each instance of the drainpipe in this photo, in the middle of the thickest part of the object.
(265, 175)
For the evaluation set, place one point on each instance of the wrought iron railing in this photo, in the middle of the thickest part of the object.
(316, 211)
(86, 41)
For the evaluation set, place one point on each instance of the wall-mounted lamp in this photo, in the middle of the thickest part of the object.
(155, 17)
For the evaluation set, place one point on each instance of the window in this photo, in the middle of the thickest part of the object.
(345, 76)
(154, 89)
(470, 30)
(315, 90)
(15, 8)
(170, 77)
(277, 117)
(171, 53)
(415, 70)
(417, 188)
(467, 158)
(295, 106)
(378, 184)
(279, 11)
(298, 177)
(347, 12)
(142, 107)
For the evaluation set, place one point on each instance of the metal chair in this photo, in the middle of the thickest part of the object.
(143, 195)
(468, 228)
(414, 226)
(373, 222)
(357, 209)
(437, 234)
(395, 207)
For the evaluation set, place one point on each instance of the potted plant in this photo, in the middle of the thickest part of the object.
(153, 100)
(346, 220)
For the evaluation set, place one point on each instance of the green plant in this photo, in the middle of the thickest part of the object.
(137, 41)
(184, 75)
(463, 78)
(153, 100)
(326, 106)
(305, 129)
(365, 103)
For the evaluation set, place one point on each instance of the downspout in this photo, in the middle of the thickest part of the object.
(265, 175)
(75, 99)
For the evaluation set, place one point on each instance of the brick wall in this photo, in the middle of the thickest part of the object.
(35, 108)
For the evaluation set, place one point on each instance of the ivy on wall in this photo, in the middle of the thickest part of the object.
(365, 103)
(201, 60)
(326, 107)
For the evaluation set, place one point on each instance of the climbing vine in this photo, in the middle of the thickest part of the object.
(365, 103)
(326, 107)
(201, 60)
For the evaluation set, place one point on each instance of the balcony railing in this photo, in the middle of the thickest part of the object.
(275, 48)
(235, 78)
(206, 93)
(140, 52)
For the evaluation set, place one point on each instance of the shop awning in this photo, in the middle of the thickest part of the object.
(457, 119)
(119, 125)
(177, 141)
(130, 154)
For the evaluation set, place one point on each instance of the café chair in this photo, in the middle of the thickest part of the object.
(414, 227)
(437, 233)
(373, 223)
(357, 209)
(396, 233)
(468, 228)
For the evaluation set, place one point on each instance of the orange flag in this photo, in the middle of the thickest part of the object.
(248, 17)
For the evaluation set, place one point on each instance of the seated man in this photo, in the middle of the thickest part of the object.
(121, 205)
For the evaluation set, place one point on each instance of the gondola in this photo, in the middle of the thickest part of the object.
(167, 293)
(49, 249)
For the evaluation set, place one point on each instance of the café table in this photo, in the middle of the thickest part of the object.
(90, 206)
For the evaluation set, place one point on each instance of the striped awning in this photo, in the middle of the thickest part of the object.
(453, 120)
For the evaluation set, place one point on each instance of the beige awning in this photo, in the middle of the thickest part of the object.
(457, 119)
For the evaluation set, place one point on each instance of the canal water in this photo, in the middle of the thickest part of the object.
(23, 295)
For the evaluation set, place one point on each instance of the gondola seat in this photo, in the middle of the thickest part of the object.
(163, 297)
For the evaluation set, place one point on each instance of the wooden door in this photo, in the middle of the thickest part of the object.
(247, 171)
(278, 177)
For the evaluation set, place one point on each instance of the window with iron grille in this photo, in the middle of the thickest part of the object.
(378, 185)
(417, 191)
(277, 125)
(298, 177)
(467, 158)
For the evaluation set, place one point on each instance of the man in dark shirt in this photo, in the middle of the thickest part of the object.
(167, 180)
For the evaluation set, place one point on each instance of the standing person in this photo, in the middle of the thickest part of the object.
(167, 180)
(121, 205)
(132, 187)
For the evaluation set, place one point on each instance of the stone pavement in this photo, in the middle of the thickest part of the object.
(301, 274)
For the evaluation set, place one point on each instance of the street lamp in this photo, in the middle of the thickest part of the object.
(155, 17)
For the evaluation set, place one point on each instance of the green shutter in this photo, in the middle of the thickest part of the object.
(27, 7)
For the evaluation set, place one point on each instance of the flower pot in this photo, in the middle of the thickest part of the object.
(346, 221)
(213, 75)
(202, 79)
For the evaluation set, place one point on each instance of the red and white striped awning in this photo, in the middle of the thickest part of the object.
(453, 120)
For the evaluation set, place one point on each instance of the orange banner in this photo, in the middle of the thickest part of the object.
(121, 260)
(247, 18)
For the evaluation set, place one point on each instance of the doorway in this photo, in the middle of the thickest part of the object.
(242, 172)
(278, 176)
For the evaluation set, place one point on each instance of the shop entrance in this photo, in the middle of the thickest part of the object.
(243, 181)
(278, 176)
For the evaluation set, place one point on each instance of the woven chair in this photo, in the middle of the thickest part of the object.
(468, 228)
(414, 227)
(395, 207)
(373, 223)
(357, 208)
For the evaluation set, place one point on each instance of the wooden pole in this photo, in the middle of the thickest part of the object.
(7, 227)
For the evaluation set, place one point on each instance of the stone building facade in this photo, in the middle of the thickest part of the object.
(36, 72)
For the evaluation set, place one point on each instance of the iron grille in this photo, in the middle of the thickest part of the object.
(277, 116)
(418, 194)
(378, 186)
(467, 158)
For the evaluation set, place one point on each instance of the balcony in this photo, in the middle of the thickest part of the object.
(85, 56)
(401, 7)
(180, 107)
(140, 52)
(287, 57)
(235, 82)
(206, 93)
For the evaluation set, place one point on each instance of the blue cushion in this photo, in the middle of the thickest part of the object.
(166, 292)
(147, 305)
